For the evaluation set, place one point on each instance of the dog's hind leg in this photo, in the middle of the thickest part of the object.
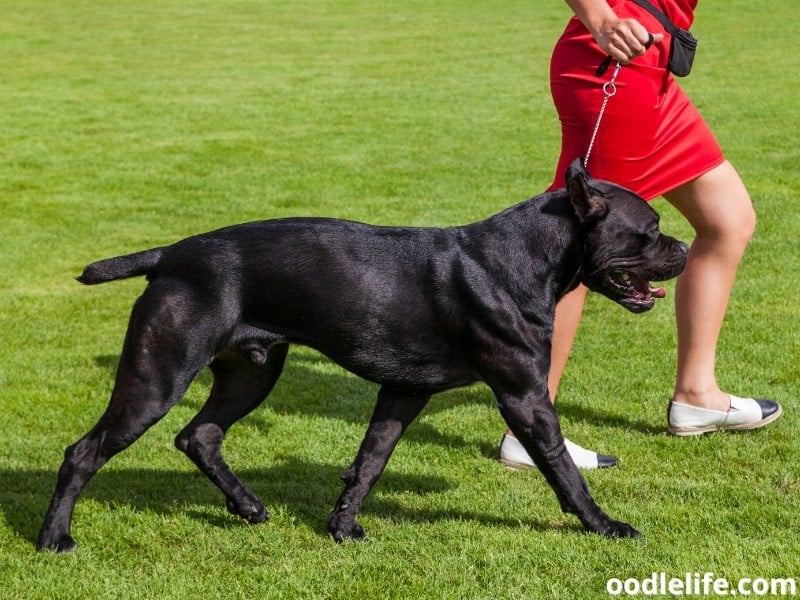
(393, 413)
(241, 382)
(155, 369)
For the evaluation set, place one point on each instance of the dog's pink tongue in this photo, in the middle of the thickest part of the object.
(658, 292)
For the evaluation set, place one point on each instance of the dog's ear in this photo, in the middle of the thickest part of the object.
(587, 201)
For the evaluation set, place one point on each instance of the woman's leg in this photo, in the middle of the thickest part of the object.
(719, 209)
(565, 327)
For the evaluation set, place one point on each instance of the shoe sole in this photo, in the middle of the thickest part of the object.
(693, 431)
(515, 466)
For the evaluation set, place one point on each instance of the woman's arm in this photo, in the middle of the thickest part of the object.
(623, 39)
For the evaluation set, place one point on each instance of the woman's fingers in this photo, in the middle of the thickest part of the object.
(626, 39)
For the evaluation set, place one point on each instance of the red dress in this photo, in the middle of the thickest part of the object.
(651, 138)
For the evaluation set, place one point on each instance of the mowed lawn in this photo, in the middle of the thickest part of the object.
(130, 124)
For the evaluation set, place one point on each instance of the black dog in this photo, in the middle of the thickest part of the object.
(416, 310)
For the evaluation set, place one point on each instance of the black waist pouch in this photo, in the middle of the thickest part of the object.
(681, 52)
(683, 45)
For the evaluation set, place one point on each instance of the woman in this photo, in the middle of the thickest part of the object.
(652, 140)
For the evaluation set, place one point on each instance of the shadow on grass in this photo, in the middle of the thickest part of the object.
(308, 490)
(337, 394)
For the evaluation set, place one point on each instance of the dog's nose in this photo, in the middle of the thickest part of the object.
(683, 248)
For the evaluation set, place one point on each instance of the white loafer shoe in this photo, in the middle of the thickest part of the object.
(513, 455)
(743, 414)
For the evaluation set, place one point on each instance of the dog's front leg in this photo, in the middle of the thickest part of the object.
(393, 414)
(535, 424)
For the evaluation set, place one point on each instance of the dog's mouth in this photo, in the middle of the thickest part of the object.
(631, 291)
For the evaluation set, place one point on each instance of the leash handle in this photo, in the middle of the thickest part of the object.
(609, 89)
(601, 70)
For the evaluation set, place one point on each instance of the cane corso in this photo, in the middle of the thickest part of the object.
(415, 310)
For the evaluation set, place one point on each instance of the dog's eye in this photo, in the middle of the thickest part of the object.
(651, 235)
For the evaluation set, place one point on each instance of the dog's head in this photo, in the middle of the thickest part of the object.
(624, 249)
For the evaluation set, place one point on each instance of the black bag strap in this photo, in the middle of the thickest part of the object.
(663, 19)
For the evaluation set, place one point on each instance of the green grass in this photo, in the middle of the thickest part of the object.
(130, 124)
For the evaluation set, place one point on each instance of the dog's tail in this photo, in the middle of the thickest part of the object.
(121, 267)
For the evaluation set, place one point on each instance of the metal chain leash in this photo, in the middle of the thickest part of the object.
(609, 89)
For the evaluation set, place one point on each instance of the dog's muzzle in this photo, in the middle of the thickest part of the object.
(631, 291)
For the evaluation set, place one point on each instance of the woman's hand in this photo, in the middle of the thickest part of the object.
(624, 39)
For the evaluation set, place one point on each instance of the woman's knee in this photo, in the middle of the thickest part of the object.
(718, 206)
(739, 224)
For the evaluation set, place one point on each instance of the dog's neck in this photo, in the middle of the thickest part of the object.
(544, 237)
(563, 245)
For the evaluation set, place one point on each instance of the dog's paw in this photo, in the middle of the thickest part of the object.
(342, 529)
(356, 532)
(250, 510)
(60, 544)
(603, 524)
(618, 529)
